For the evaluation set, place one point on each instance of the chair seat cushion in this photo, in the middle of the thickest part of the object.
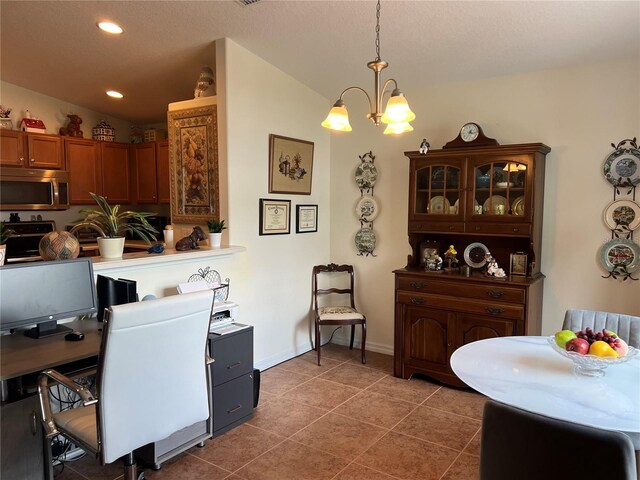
(339, 313)
(79, 423)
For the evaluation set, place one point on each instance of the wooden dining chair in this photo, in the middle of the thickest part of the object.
(627, 327)
(517, 444)
(340, 314)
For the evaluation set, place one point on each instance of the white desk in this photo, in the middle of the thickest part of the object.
(526, 373)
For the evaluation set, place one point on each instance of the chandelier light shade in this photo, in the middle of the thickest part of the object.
(397, 114)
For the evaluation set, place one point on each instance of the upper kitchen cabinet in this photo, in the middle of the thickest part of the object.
(116, 168)
(85, 171)
(151, 172)
(31, 150)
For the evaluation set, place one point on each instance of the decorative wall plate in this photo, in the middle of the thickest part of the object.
(491, 203)
(475, 253)
(622, 167)
(439, 205)
(622, 213)
(620, 253)
(517, 207)
(367, 208)
(366, 175)
(365, 241)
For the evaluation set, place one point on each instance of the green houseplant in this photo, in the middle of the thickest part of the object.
(5, 233)
(215, 232)
(112, 224)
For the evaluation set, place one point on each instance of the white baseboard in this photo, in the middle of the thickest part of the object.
(371, 346)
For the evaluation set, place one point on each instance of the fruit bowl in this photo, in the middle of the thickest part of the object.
(591, 365)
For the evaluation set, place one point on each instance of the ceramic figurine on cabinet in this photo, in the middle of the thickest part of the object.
(450, 258)
(424, 147)
(191, 242)
(205, 86)
(432, 261)
(493, 270)
(73, 128)
(5, 121)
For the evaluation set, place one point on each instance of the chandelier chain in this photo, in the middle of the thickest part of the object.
(378, 32)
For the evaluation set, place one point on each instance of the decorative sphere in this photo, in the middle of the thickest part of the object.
(59, 246)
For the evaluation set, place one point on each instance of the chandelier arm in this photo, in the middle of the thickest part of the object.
(362, 90)
(384, 88)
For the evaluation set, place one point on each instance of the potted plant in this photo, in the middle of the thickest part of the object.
(5, 233)
(215, 232)
(112, 225)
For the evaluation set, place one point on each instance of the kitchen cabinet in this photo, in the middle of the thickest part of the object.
(31, 150)
(116, 167)
(458, 196)
(85, 169)
(98, 167)
(151, 165)
(12, 148)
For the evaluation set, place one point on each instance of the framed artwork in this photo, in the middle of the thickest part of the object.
(306, 218)
(193, 163)
(518, 264)
(275, 217)
(290, 165)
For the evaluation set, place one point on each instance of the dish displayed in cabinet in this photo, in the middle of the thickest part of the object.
(517, 207)
(490, 204)
(439, 205)
(475, 255)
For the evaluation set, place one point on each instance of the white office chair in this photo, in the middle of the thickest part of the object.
(152, 379)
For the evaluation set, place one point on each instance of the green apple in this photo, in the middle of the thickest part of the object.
(563, 336)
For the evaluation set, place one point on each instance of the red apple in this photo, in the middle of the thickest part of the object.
(577, 345)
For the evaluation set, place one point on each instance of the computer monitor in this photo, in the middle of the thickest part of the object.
(41, 293)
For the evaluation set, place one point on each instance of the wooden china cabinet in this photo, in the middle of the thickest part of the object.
(463, 195)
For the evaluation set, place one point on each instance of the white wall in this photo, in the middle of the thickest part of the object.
(577, 111)
(273, 284)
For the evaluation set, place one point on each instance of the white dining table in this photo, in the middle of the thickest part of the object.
(526, 373)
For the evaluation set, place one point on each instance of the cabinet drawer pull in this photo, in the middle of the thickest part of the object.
(452, 227)
(32, 160)
(494, 310)
(417, 285)
(34, 423)
(516, 229)
(233, 365)
(495, 293)
(478, 229)
(235, 409)
(417, 301)
(20, 160)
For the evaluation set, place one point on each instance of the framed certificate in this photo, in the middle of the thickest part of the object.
(275, 217)
(306, 218)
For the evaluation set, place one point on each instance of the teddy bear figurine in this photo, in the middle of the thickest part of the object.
(73, 128)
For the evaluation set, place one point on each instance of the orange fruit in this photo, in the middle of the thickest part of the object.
(602, 349)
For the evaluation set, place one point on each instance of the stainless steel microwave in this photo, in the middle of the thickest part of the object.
(31, 189)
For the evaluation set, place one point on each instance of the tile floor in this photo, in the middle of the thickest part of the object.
(340, 421)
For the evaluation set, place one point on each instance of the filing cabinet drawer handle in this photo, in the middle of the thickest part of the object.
(34, 423)
(495, 293)
(417, 301)
(233, 365)
(235, 409)
(494, 310)
(417, 285)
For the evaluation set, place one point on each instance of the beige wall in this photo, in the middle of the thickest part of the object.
(577, 111)
(273, 282)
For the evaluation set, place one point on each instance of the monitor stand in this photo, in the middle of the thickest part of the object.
(47, 329)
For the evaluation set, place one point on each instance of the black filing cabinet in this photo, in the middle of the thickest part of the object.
(232, 379)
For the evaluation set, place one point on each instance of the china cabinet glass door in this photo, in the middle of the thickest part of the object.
(438, 190)
(500, 187)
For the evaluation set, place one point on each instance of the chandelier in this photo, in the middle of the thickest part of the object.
(396, 116)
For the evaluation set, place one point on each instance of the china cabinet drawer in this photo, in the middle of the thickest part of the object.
(433, 226)
(487, 292)
(512, 229)
(498, 310)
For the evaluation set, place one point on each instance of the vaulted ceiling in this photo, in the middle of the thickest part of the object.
(55, 48)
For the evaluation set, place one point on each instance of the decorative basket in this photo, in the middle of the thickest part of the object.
(103, 131)
(212, 277)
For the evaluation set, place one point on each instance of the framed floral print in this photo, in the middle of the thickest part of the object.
(193, 163)
(290, 165)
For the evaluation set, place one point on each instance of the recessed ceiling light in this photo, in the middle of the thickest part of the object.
(114, 94)
(110, 27)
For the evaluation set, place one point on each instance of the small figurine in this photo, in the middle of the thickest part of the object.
(73, 129)
(204, 86)
(424, 147)
(493, 270)
(450, 258)
(156, 248)
(432, 261)
(191, 242)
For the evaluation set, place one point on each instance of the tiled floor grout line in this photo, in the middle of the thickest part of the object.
(459, 455)
(211, 463)
(75, 471)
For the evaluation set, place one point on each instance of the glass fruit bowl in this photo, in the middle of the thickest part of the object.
(591, 365)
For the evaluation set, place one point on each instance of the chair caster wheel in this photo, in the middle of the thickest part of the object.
(156, 466)
(141, 476)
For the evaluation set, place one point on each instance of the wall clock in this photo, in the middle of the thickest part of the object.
(471, 135)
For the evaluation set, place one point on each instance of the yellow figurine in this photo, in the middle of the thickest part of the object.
(450, 258)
